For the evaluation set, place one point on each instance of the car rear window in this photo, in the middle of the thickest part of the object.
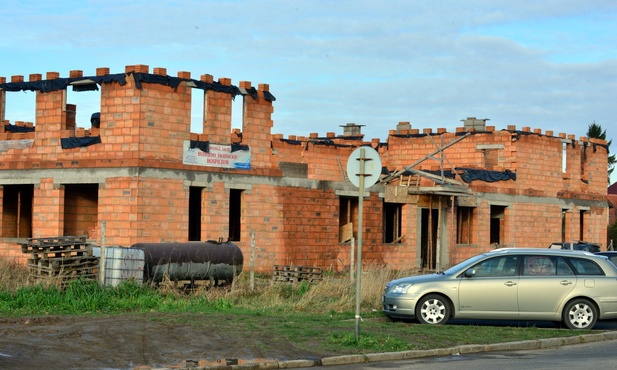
(585, 267)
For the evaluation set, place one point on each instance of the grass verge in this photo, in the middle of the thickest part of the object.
(311, 316)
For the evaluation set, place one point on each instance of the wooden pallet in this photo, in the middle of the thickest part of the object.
(296, 274)
(57, 244)
(62, 254)
(60, 259)
(61, 265)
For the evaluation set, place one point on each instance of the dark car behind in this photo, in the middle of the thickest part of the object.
(577, 246)
(612, 256)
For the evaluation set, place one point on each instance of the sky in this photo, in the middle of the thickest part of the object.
(550, 64)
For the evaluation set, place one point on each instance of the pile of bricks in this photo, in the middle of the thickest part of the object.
(296, 274)
(60, 259)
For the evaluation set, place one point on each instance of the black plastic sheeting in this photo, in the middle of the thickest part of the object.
(75, 142)
(120, 78)
(61, 83)
(237, 147)
(473, 174)
(13, 128)
(204, 146)
(292, 142)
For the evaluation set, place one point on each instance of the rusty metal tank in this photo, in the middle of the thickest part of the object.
(211, 260)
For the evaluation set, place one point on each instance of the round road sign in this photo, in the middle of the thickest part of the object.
(367, 156)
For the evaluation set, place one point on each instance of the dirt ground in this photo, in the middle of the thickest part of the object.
(136, 342)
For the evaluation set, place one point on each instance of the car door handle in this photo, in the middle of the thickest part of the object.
(510, 283)
(565, 282)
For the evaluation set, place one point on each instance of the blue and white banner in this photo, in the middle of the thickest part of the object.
(217, 156)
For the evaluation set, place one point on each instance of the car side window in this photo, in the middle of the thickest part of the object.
(539, 266)
(563, 268)
(585, 267)
(498, 266)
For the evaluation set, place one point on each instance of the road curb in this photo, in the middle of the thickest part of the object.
(412, 354)
(469, 348)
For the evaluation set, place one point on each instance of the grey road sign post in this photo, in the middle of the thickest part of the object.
(363, 169)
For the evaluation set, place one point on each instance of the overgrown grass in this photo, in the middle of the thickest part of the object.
(307, 315)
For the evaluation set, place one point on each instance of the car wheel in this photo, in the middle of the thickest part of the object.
(433, 309)
(580, 314)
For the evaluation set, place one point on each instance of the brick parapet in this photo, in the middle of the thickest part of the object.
(217, 112)
(257, 125)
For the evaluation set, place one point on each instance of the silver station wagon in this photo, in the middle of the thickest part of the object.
(573, 287)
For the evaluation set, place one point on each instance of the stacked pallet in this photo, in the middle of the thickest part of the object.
(296, 274)
(60, 259)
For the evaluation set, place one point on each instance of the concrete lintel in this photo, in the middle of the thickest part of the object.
(500, 203)
(489, 146)
(238, 186)
(347, 193)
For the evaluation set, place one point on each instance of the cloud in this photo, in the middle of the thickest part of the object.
(548, 65)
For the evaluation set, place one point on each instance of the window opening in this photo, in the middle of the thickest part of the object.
(564, 158)
(19, 106)
(428, 237)
(80, 106)
(392, 222)
(497, 224)
(80, 209)
(195, 213)
(348, 217)
(582, 225)
(564, 222)
(237, 112)
(463, 225)
(235, 214)
(17, 211)
(198, 107)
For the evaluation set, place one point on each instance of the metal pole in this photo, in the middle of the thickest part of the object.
(252, 260)
(102, 258)
(360, 227)
(351, 258)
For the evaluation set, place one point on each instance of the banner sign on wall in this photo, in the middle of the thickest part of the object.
(217, 156)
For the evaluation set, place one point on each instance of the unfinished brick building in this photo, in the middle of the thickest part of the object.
(141, 172)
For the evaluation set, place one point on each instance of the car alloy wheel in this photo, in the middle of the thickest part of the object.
(580, 314)
(433, 309)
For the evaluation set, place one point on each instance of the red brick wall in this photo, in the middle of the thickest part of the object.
(217, 112)
(143, 187)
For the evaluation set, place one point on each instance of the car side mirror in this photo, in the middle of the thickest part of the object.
(470, 273)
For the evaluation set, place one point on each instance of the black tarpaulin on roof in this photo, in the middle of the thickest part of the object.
(472, 174)
(174, 82)
(60, 83)
(13, 128)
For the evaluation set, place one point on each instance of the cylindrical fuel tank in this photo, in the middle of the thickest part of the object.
(211, 260)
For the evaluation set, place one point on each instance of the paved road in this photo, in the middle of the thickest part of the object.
(591, 356)
(600, 354)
